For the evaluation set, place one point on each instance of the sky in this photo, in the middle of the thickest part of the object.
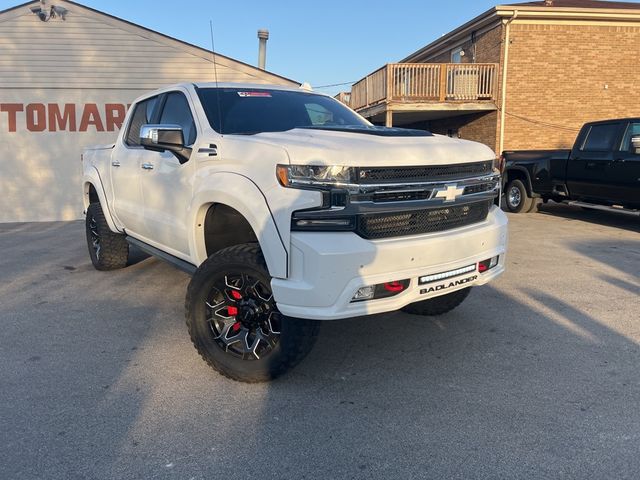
(320, 42)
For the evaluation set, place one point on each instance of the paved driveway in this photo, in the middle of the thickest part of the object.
(536, 376)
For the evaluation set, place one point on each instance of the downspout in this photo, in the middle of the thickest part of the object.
(505, 63)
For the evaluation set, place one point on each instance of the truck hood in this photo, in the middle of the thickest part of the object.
(322, 147)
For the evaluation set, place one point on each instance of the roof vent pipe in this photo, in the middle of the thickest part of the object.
(263, 36)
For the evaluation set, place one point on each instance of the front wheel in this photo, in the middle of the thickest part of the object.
(234, 322)
(438, 305)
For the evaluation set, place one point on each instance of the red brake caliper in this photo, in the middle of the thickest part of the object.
(233, 311)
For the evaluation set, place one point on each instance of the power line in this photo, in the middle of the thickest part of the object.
(335, 84)
(541, 123)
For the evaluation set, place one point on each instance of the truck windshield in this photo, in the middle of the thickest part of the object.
(250, 111)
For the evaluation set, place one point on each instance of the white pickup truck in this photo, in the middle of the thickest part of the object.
(288, 208)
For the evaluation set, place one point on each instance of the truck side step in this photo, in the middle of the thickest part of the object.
(175, 261)
(560, 190)
(626, 211)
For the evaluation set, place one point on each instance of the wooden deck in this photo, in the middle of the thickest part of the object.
(422, 86)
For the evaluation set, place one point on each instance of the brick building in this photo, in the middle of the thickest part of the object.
(518, 76)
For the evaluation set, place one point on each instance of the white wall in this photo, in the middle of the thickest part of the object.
(40, 171)
(89, 58)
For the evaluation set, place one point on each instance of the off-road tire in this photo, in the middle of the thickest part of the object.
(438, 305)
(112, 251)
(296, 336)
(519, 201)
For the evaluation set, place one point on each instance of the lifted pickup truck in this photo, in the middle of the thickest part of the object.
(288, 208)
(601, 171)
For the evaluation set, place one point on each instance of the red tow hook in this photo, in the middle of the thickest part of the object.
(236, 295)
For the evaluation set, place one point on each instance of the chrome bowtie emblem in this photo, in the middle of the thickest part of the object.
(449, 193)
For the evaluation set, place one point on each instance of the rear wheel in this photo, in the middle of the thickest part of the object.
(438, 305)
(234, 322)
(108, 250)
(516, 196)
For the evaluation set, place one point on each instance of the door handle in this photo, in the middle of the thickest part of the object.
(115, 163)
(147, 166)
(212, 152)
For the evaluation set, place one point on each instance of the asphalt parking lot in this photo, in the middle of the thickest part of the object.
(535, 376)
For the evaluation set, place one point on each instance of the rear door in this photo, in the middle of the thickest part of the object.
(590, 166)
(167, 186)
(626, 169)
(126, 168)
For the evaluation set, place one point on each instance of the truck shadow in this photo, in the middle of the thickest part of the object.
(607, 219)
(623, 257)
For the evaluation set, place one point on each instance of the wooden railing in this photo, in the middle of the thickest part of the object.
(425, 82)
(344, 97)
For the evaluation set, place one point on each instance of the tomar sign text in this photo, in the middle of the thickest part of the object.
(67, 117)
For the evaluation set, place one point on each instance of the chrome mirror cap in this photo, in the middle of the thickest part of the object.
(149, 134)
(635, 144)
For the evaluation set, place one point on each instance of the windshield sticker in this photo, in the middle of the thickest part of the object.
(254, 94)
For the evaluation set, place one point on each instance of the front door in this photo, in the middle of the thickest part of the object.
(590, 166)
(626, 169)
(167, 187)
(126, 169)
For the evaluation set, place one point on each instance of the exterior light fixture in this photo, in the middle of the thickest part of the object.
(45, 13)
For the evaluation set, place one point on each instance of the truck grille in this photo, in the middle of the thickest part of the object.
(386, 225)
(436, 173)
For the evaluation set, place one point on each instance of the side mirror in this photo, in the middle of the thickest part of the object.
(159, 138)
(635, 144)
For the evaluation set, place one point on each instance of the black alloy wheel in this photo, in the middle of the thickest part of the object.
(234, 321)
(108, 250)
(94, 235)
(243, 316)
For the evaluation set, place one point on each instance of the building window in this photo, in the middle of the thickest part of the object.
(456, 55)
(453, 133)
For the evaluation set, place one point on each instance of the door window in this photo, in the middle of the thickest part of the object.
(632, 129)
(600, 138)
(176, 111)
(142, 114)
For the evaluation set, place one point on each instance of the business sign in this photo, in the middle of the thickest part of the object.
(62, 117)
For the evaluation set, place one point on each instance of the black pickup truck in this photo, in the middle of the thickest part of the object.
(601, 171)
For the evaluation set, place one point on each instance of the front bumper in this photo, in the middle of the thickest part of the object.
(327, 268)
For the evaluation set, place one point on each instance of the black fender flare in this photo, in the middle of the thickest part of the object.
(527, 176)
